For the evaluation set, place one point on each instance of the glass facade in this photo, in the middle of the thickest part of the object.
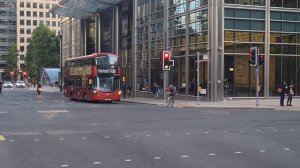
(145, 28)
(7, 31)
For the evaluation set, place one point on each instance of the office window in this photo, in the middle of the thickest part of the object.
(289, 16)
(28, 40)
(21, 39)
(258, 25)
(22, 31)
(34, 14)
(28, 13)
(289, 27)
(47, 6)
(47, 15)
(243, 24)
(53, 15)
(22, 48)
(48, 23)
(21, 13)
(58, 24)
(28, 22)
(41, 6)
(28, 31)
(34, 5)
(276, 26)
(53, 24)
(41, 14)
(34, 22)
(21, 22)
(41, 22)
(22, 4)
(28, 5)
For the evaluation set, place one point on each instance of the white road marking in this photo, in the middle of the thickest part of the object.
(11, 140)
(291, 130)
(168, 134)
(262, 151)
(225, 131)
(258, 130)
(188, 133)
(148, 135)
(206, 132)
(287, 149)
(64, 165)
(107, 137)
(242, 131)
(128, 160)
(212, 154)
(52, 111)
(157, 158)
(274, 130)
(97, 163)
(237, 152)
(128, 136)
(84, 138)
(36, 140)
(185, 156)
(3, 112)
(61, 139)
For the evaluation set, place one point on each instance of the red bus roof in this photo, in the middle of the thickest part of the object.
(87, 56)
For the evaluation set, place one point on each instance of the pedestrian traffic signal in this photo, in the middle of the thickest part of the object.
(261, 59)
(166, 60)
(24, 74)
(253, 56)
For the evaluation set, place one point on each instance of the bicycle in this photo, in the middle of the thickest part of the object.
(170, 101)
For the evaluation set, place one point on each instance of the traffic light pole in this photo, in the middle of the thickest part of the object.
(257, 77)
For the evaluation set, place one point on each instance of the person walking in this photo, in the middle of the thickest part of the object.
(226, 90)
(282, 90)
(1, 86)
(124, 89)
(290, 94)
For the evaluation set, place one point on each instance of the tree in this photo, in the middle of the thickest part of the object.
(43, 51)
(11, 59)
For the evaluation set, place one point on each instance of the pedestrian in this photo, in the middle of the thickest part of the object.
(290, 93)
(226, 90)
(124, 89)
(282, 90)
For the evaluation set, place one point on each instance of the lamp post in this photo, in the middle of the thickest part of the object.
(60, 56)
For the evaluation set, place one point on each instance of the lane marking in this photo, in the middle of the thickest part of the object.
(287, 149)
(206, 132)
(238, 152)
(262, 151)
(52, 111)
(64, 165)
(3, 112)
(185, 156)
(148, 135)
(84, 138)
(212, 154)
(157, 158)
(188, 133)
(2, 138)
(128, 160)
(97, 163)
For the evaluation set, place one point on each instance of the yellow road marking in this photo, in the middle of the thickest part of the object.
(2, 138)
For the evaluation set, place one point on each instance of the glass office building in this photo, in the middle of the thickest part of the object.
(222, 32)
(7, 32)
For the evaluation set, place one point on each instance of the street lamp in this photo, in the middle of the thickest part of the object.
(60, 56)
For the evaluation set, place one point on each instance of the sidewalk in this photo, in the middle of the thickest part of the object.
(271, 103)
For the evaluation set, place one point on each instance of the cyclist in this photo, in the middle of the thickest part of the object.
(171, 90)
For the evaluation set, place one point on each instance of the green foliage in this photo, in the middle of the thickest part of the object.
(12, 58)
(43, 51)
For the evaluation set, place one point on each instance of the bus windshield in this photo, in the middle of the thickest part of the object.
(107, 84)
(107, 64)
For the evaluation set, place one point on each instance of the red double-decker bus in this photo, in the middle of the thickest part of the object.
(94, 77)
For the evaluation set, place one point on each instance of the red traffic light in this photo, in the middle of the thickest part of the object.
(166, 60)
(24, 74)
(166, 55)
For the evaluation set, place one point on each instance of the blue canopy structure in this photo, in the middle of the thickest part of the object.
(50, 76)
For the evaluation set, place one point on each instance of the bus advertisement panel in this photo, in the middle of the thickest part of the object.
(94, 77)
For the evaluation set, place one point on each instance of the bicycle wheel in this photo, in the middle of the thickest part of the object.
(171, 103)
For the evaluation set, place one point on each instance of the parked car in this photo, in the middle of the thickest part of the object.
(20, 84)
(7, 84)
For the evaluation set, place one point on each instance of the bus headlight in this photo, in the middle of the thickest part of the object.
(95, 92)
(120, 92)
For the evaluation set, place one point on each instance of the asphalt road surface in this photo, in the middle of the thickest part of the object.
(50, 131)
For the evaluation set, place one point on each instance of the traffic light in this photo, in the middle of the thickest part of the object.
(253, 56)
(261, 59)
(166, 60)
(24, 74)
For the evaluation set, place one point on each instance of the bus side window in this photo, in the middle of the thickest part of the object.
(78, 82)
(90, 83)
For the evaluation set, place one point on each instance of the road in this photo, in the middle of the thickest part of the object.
(49, 131)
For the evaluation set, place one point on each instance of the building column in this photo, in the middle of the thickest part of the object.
(98, 32)
(215, 51)
(115, 28)
(134, 62)
(267, 51)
